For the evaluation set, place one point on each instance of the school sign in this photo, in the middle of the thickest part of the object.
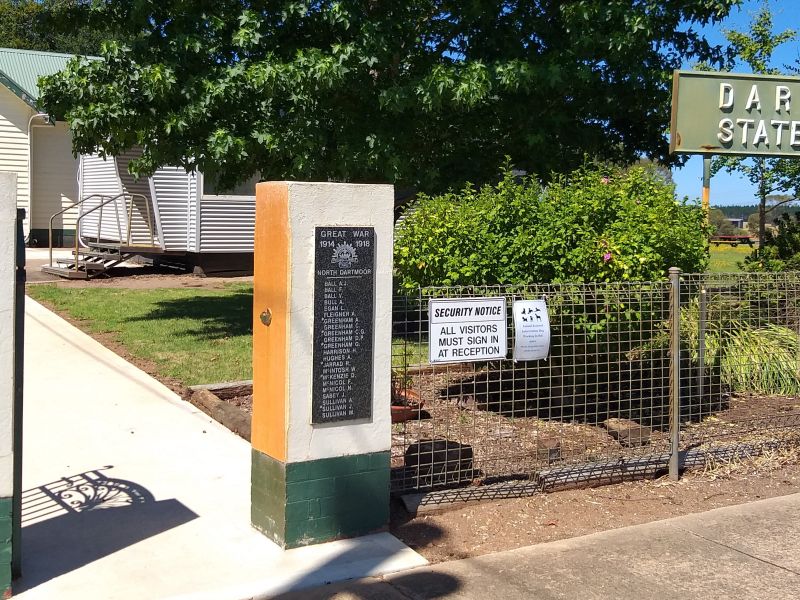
(732, 113)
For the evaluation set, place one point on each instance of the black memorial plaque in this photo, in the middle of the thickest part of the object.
(344, 310)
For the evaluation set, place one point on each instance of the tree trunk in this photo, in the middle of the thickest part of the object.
(762, 209)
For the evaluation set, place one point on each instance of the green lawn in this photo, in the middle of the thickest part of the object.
(408, 353)
(725, 259)
(192, 335)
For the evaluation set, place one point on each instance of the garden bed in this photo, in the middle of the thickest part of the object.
(517, 443)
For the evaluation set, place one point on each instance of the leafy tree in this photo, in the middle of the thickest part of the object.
(752, 223)
(51, 25)
(769, 175)
(781, 250)
(777, 206)
(417, 92)
(736, 210)
(15, 23)
(598, 223)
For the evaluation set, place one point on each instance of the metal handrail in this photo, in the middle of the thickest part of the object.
(130, 220)
(119, 223)
(61, 212)
(150, 222)
(129, 224)
(104, 199)
(99, 223)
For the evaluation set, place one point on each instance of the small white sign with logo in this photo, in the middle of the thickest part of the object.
(531, 330)
(467, 330)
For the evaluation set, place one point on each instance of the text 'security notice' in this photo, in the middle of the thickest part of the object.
(467, 329)
(344, 313)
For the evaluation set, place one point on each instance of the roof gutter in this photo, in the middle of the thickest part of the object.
(17, 90)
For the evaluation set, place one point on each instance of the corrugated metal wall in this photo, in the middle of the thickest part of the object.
(224, 223)
(109, 178)
(175, 191)
(192, 215)
(143, 220)
(99, 176)
(227, 223)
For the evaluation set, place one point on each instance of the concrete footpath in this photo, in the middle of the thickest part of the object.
(751, 551)
(130, 492)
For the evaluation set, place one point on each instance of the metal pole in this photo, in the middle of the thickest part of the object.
(77, 241)
(674, 371)
(706, 186)
(701, 342)
(19, 357)
(130, 218)
(150, 223)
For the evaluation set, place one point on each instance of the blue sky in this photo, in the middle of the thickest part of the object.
(731, 189)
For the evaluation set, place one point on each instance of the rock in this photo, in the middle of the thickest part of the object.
(628, 433)
(548, 450)
(439, 462)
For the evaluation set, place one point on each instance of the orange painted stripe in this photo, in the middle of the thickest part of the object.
(270, 344)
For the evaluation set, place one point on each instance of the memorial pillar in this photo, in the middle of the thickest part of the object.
(322, 318)
(9, 346)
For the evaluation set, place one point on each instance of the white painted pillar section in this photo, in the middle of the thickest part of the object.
(347, 205)
(8, 237)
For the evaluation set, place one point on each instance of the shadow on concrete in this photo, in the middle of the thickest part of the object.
(422, 584)
(81, 518)
(317, 584)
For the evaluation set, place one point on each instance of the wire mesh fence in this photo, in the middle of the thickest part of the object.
(599, 405)
(740, 360)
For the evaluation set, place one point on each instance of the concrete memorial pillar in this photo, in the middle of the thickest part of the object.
(8, 252)
(322, 305)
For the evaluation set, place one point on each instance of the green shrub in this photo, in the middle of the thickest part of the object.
(598, 223)
(781, 250)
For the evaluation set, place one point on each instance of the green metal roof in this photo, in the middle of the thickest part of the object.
(20, 70)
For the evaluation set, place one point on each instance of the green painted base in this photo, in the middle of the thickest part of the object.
(298, 504)
(5, 546)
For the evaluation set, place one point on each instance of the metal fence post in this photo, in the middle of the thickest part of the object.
(674, 371)
(701, 342)
(19, 353)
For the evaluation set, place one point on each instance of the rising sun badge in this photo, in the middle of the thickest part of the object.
(344, 256)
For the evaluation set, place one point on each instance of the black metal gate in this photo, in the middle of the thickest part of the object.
(19, 354)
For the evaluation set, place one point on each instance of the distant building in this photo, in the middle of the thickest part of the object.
(738, 222)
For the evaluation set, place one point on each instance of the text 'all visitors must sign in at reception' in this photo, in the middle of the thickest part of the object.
(467, 329)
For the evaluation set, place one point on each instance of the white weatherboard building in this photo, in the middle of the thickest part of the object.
(38, 151)
(170, 215)
(173, 211)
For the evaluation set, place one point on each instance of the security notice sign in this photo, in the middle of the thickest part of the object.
(467, 330)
